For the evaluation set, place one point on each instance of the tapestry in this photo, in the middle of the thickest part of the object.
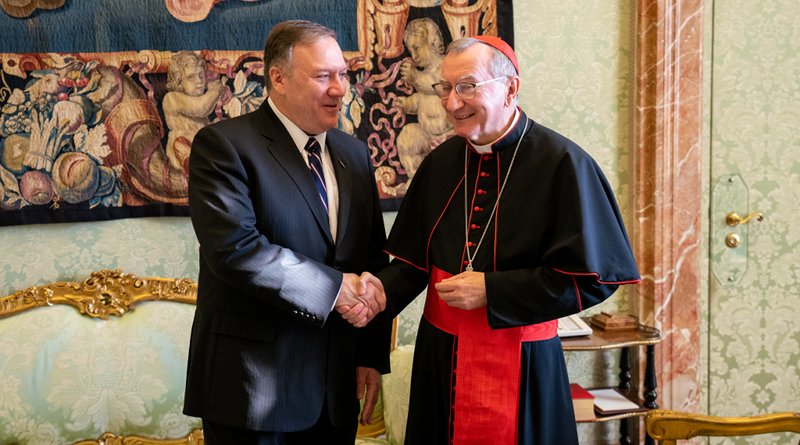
(100, 101)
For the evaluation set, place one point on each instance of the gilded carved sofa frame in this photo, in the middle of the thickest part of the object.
(670, 426)
(105, 294)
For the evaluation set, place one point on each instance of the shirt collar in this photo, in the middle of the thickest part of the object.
(299, 136)
(510, 136)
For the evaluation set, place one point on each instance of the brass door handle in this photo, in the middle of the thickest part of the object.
(733, 219)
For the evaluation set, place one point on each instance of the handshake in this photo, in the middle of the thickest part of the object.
(360, 298)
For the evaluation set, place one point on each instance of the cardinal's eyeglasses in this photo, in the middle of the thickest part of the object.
(465, 90)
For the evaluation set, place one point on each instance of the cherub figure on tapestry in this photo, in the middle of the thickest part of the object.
(425, 44)
(191, 98)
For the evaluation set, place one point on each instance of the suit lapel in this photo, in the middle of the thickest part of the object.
(283, 149)
(343, 182)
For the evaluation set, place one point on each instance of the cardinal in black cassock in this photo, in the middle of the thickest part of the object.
(510, 231)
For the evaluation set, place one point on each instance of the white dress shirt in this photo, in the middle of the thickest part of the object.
(300, 139)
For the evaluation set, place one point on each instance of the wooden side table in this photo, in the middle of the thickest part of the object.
(625, 340)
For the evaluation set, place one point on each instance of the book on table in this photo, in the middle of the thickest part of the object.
(582, 403)
(609, 401)
(572, 326)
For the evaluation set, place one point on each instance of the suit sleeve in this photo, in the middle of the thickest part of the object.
(233, 248)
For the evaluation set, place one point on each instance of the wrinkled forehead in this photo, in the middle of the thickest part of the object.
(323, 54)
(469, 65)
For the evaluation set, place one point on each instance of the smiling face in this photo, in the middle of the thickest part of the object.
(309, 89)
(485, 117)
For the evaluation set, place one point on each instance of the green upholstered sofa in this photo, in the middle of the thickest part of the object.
(101, 361)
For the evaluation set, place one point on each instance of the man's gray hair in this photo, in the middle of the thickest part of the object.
(500, 65)
(284, 36)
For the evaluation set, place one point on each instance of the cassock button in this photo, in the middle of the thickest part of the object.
(466, 263)
(477, 209)
(487, 157)
(484, 174)
(481, 192)
(474, 226)
(470, 244)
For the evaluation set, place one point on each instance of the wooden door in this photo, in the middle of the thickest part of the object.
(754, 287)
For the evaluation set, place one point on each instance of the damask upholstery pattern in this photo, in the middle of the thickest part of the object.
(394, 398)
(66, 377)
(395, 393)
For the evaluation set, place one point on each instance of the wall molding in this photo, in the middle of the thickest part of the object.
(667, 233)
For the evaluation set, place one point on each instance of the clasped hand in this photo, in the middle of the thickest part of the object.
(360, 298)
(466, 290)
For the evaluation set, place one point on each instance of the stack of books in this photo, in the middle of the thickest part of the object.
(582, 403)
(609, 401)
(587, 404)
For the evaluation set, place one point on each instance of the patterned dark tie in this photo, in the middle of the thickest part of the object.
(315, 166)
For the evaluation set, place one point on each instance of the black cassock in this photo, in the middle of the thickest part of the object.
(555, 245)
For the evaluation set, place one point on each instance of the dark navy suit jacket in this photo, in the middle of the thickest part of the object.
(266, 350)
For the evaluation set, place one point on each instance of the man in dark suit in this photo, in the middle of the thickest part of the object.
(286, 212)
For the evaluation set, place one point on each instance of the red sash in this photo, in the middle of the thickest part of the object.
(487, 369)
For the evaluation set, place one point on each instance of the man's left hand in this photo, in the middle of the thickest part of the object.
(368, 380)
(464, 291)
